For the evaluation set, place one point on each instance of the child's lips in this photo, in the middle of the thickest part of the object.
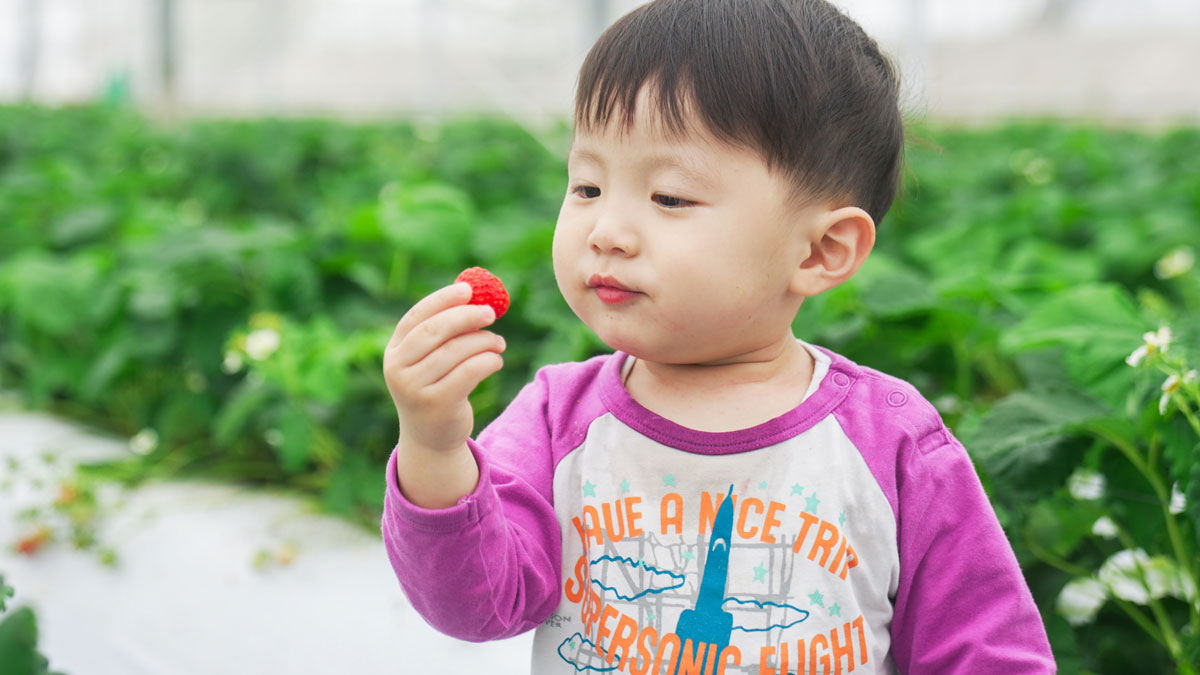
(612, 296)
(610, 290)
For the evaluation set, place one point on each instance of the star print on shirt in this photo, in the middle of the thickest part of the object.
(688, 555)
(811, 505)
(589, 490)
(816, 598)
(669, 480)
(797, 490)
(835, 610)
(624, 487)
(760, 573)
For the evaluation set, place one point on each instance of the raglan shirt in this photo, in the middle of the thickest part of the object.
(848, 534)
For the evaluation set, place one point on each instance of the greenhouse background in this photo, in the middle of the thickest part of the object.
(960, 59)
(212, 213)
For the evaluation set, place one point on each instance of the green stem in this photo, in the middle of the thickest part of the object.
(1083, 573)
(1156, 608)
(1188, 413)
(397, 274)
(1160, 490)
(1181, 556)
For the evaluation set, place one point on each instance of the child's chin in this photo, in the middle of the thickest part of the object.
(621, 342)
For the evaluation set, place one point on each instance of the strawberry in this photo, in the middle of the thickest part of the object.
(32, 543)
(486, 289)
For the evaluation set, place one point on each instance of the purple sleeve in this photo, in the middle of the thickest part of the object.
(962, 605)
(489, 567)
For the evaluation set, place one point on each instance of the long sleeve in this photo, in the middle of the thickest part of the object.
(962, 605)
(489, 567)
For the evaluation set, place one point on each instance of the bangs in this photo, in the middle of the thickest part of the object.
(795, 81)
(652, 51)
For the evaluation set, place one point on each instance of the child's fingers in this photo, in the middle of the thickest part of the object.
(438, 364)
(429, 335)
(432, 304)
(462, 380)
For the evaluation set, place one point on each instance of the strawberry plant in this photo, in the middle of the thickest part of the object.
(18, 639)
(221, 293)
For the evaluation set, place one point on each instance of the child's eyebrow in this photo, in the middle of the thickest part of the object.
(652, 163)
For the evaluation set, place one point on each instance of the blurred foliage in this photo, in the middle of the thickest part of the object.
(222, 292)
(18, 639)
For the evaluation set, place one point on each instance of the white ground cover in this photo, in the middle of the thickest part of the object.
(186, 597)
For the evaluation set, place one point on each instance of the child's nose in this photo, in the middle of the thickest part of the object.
(613, 233)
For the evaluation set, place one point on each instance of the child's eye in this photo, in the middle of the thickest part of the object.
(586, 191)
(670, 202)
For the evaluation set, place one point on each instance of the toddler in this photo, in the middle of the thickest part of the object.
(716, 495)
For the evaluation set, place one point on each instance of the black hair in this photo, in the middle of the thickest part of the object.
(797, 81)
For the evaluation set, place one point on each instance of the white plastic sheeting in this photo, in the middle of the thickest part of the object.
(186, 597)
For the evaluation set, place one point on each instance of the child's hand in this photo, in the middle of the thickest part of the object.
(435, 359)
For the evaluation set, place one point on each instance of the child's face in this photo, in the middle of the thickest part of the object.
(678, 250)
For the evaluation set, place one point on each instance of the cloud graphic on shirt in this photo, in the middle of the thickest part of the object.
(578, 651)
(630, 579)
(752, 618)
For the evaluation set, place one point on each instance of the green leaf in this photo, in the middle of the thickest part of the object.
(18, 644)
(296, 447)
(1095, 314)
(891, 290)
(1097, 326)
(6, 592)
(248, 399)
(1179, 448)
(153, 293)
(1192, 495)
(57, 295)
(83, 224)
(432, 221)
(1059, 524)
(1019, 434)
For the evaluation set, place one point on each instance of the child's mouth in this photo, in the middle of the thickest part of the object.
(609, 290)
(611, 295)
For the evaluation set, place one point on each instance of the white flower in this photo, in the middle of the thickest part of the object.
(1037, 170)
(1080, 599)
(1153, 342)
(1171, 386)
(1134, 576)
(262, 343)
(1178, 501)
(144, 442)
(1104, 527)
(1086, 484)
(1176, 263)
(947, 404)
(232, 363)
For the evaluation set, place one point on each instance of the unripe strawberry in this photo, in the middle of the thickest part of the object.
(486, 289)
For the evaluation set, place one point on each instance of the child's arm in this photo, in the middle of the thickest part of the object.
(963, 605)
(436, 357)
(470, 533)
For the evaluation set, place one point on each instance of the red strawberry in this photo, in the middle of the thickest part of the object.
(486, 289)
(32, 543)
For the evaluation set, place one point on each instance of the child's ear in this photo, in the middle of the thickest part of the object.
(839, 242)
